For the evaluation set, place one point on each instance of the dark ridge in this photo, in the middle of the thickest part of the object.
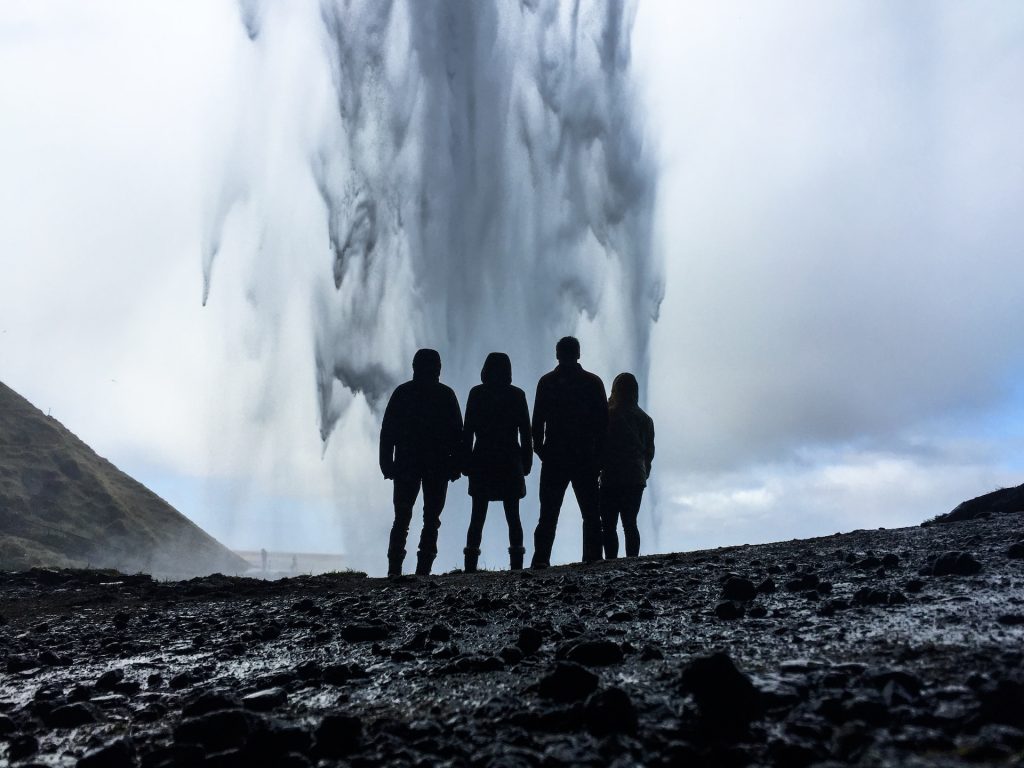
(63, 506)
(1003, 501)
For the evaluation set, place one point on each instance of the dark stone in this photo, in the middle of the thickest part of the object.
(1016, 551)
(955, 564)
(591, 652)
(219, 730)
(725, 696)
(651, 653)
(117, 754)
(1011, 619)
(510, 654)
(339, 674)
(22, 746)
(109, 679)
(7, 726)
(440, 633)
(914, 586)
(739, 588)
(338, 735)
(530, 640)
(1002, 701)
(17, 663)
(265, 700)
(308, 670)
(181, 680)
(610, 711)
(567, 682)
(891, 561)
(729, 610)
(365, 633)
(69, 716)
(766, 587)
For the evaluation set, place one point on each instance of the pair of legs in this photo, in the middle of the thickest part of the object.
(476, 530)
(621, 501)
(554, 480)
(435, 490)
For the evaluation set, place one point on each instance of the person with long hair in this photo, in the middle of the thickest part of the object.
(499, 454)
(628, 453)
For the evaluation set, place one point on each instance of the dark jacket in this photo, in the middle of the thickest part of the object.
(421, 431)
(629, 449)
(570, 418)
(497, 441)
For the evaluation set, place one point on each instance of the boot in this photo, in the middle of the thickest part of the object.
(395, 560)
(423, 562)
(472, 557)
(515, 557)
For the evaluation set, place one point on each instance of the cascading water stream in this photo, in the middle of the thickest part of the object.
(481, 183)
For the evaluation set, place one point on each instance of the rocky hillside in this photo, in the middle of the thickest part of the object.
(873, 648)
(62, 505)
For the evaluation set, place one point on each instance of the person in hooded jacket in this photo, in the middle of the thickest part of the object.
(420, 437)
(499, 454)
(628, 453)
(570, 423)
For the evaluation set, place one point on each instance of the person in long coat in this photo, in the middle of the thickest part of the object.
(628, 453)
(499, 454)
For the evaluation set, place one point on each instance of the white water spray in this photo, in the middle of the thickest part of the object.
(468, 176)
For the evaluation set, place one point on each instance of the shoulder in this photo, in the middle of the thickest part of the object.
(446, 391)
(594, 380)
(401, 391)
(547, 380)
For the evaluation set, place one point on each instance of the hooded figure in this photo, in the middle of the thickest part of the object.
(419, 446)
(628, 453)
(499, 453)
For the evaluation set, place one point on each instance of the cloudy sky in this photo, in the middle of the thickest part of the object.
(840, 215)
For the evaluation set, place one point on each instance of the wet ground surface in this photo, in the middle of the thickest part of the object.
(898, 647)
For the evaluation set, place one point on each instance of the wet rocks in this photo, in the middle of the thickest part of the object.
(218, 730)
(729, 610)
(725, 696)
(738, 588)
(610, 711)
(118, 754)
(593, 652)
(953, 564)
(567, 682)
(338, 735)
(530, 640)
(69, 716)
(265, 700)
(1016, 551)
(366, 633)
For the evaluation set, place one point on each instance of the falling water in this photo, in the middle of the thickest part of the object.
(468, 175)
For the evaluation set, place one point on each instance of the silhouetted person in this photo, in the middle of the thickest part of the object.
(496, 441)
(628, 453)
(570, 421)
(419, 444)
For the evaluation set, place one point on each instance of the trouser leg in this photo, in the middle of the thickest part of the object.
(516, 550)
(610, 521)
(404, 497)
(434, 492)
(553, 482)
(475, 534)
(630, 507)
(584, 485)
(476, 523)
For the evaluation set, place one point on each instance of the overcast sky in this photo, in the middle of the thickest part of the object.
(840, 214)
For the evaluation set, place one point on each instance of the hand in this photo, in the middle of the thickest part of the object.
(388, 470)
(454, 475)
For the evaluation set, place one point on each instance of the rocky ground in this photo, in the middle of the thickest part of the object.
(889, 647)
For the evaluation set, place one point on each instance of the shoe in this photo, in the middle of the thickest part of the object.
(423, 563)
(472, 557)
(515, 557)
(395, 561)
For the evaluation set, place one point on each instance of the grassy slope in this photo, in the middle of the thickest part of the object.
(61, 504)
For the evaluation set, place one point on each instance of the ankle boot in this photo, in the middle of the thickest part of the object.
(423, 562)
(472, 557)
(515, 557)
(395, 560)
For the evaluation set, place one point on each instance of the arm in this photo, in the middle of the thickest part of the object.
(454, 436)
(600, 417)
(388, 436)
(468, 432)
(525, 439)
(539, 417)
(650, 445)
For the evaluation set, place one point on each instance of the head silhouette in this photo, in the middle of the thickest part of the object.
(567, 350)
(625, 391)
(426, 365)
(497, 369)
